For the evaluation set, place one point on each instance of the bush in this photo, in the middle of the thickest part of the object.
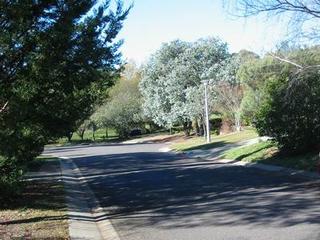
(291, 113)
(10, 176)
(215, 125)
(135, 132)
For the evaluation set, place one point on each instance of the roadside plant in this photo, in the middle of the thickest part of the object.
(56, 60)
(171, 82)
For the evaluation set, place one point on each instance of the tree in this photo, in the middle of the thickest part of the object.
(303, 14)
(82, 128)
(229, 91)
(155, 80)
(172, 79)
(123, 109)
(298, 7)
(289, 110)
(254, 74)
(56, 59)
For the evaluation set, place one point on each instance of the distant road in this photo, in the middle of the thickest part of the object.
(152, 195)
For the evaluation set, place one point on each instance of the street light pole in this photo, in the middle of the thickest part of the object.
(206, 82)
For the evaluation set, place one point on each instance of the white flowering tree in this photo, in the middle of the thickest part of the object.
(171, 83)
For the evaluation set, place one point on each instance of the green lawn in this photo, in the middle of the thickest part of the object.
(100, 136)
(216, 141)
(39, 211)
(267, 152)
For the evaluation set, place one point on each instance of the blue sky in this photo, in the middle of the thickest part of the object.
(152, 22)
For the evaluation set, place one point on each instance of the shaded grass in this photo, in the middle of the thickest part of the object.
(100, 137)
(195, 143)
(268, 153)
(38, 212)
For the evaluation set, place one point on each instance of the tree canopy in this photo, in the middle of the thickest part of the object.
(123, 109)
(303, 15)
(171, 83)
(56, 59)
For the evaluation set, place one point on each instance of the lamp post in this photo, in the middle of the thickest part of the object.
(205, 83)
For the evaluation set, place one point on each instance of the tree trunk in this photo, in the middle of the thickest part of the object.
(82, 134)
(107, 135)
(237, 119)
(187, 127)
(93, 134)
(201, 126)
(69, 136)
(197, 128)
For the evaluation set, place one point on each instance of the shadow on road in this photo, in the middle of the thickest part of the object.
(166, 190)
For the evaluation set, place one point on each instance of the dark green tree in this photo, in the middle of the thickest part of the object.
(289, 110)
(56, 60)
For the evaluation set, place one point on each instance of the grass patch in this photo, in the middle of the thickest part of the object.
(100, 137)
(216, 141)
(38, 212)
(268, 153)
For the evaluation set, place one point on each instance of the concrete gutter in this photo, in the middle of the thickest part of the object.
(87, 220)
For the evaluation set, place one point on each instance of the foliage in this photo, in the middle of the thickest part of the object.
(82, 128)
(290, 110)
(229, 91)
(123, 110)
(215, 125)
(303, 15)
(171, 83)
(9, 178)
(56, 59)
(291, 114)
(268, 153)
(253, 75)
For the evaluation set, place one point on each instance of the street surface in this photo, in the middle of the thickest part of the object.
(152, 195)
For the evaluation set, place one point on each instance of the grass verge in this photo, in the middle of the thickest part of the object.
(216, 141)
(38, 212)
(100, 137)
(268, 153)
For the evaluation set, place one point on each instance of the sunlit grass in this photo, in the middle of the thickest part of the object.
(216, 141)
(268, 153)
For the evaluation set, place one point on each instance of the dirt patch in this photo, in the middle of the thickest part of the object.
(39, 212)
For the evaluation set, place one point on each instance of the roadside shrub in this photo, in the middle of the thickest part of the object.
(291, 113)
(18, 147)
(135, 132)
(10, 176)
(215, 125)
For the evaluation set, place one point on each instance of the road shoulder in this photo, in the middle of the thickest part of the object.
(87, 220)
(214, 154)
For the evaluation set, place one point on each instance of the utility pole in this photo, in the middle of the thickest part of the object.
(205, 83)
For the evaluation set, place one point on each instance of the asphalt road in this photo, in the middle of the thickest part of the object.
(150, 195)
